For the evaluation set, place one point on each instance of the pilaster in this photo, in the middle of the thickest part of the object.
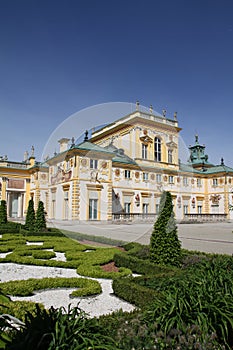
(4, 180)
(75, 199)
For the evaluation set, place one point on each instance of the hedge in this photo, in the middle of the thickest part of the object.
(127, 289)
(86, 287)
(140, 266)
(19, 308)
(97, 272)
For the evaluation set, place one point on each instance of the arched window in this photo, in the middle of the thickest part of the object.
(158, 150)
(169, 156)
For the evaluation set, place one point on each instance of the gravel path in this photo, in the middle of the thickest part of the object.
(104, 303)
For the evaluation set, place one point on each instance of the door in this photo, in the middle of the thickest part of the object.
(93, 209)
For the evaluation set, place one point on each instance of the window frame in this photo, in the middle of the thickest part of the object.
(157, 149)
(171, 179)
(127, 174)
(158, 178)
(144, 151)
(93, 163)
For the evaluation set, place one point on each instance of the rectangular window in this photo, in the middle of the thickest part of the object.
(66, 205)
(145, 176)
(53, 205)
(144, 151)
(93, 203)
(127, 174)
(171, 179)
(199, 184)
(127, 207)
(215, 182)
(93, 163)
(158, 178)
(145, 208)
(157, 208)
(185, 209)
(185, 181)
(199, 209)
(158, 149)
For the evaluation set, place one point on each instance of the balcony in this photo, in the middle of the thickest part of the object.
(133, 218)
(202, 218)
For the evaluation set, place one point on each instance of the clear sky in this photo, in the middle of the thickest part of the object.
(58, 57)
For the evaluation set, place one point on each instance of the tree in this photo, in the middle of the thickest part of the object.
(30, 217)
(3, 212)
(40, 224)
(165, 247)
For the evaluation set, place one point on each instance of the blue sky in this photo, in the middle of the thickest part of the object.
(58, 57)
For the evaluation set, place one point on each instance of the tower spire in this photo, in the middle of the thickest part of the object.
(86, 136)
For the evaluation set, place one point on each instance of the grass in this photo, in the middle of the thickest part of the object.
(100, 239)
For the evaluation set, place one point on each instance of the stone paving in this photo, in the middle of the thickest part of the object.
(209, 237)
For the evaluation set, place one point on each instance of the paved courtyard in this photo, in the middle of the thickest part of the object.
(213, 238)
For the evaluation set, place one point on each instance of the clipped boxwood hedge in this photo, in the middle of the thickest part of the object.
(20, 308)
(127, 289)
(97, 272)
(48, 233)
(140, 266)
(86, 287)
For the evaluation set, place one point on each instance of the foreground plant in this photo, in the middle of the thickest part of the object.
(203, 296)
(60, 329)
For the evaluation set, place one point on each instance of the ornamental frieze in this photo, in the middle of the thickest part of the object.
(61, 176)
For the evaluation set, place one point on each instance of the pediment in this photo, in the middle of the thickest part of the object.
(146, 139)
(171, 144)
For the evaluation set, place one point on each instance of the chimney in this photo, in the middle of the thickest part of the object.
(63, 144)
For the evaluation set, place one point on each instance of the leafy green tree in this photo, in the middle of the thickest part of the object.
(30, 217)
(3, 212)
(40, 224)
(165, 247)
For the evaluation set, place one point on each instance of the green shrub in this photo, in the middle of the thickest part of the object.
(43, 254)
(27, 287)
(3, 212)
(97, 272)
(19, 308)
(30, 216)
(165, 247)
(40, 223)
(46, 233)
(131, 331)
(10, 227)
(129, 290)
(139, 265)
(202, 296)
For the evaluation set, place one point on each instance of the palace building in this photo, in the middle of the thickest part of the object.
(118, 173)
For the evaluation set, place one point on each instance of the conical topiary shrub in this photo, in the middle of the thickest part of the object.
(30, 217)
(165, 247)
(3, 212)
(40, 224)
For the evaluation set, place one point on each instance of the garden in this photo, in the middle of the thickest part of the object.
(180, 299)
